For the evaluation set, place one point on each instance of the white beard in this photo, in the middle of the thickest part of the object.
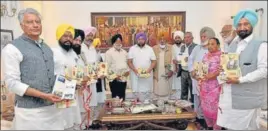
(204, 43)
(228, 40)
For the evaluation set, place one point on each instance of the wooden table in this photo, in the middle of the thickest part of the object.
(148, 121)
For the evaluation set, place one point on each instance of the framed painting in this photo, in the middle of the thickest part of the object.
(6, 37)
(128, 24)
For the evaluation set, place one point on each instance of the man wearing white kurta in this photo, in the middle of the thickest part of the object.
(64, 56)
(29, 73)
(186, 80)
(141, 56)
(242, 98)
(197, 56)
(91, 56)
(176, 85)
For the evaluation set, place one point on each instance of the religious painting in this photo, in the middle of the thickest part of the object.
(6, 37)
(154, 24)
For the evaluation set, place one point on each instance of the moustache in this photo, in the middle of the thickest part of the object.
(244, 33)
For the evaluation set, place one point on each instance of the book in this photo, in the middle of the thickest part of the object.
(143, 73)
(201, 69)
(91, 72)
(102, 69)
(65, 89)
(230, 65)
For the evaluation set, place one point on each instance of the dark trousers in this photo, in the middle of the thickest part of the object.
(186, 84)
(118, 89)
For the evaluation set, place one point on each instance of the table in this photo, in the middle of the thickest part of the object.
(150, 121)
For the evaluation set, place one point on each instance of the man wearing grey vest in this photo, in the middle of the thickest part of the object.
(243, 97)
(186, 80)
(29, 73)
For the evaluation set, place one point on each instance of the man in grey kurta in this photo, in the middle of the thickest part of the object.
(196, 56)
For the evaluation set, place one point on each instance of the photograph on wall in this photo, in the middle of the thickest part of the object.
(6, 37)
(154, 24)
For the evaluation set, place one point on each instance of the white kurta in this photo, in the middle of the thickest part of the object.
(142, 58)
(176, 83)
(80, 97)
(92, 56)
(63, 58)
(43, 118)
(242, 119)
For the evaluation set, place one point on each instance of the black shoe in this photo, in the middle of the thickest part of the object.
(210, 128)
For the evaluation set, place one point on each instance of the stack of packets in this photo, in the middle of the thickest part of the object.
(143, 73)
(230, 65)
(201, 69)
(119, 73)
(65, 89)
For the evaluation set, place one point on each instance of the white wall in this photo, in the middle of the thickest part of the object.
(11, 23)
(198, 13)
(261, 31)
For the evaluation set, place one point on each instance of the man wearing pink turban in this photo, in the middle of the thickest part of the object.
(245, 95)
(91, 56)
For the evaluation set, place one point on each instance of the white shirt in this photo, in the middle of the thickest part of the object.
(90, 54)
(11, 61)
(63, 59)
(240, 119)
(141, 58)
(116, 60)
(176, 80)
(261, 71)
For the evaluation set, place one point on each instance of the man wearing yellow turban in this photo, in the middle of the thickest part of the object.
(244, 96)
(65, 56)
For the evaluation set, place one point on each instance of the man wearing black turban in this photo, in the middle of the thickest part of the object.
(79, 37)
(116, 58)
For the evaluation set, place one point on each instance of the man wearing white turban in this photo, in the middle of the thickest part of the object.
(176, 47)
(243, 96)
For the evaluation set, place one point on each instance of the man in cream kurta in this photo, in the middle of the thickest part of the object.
(163, 71)
(141, 56)
(29, 73)
(229, 115)
(64, 56)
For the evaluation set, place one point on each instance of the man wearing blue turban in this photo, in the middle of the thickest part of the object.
(245, 95)
(141, 57)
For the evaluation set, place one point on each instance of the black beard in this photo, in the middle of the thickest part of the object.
(65, 46)
(77, 49)
(177, 42)
(244, 34)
